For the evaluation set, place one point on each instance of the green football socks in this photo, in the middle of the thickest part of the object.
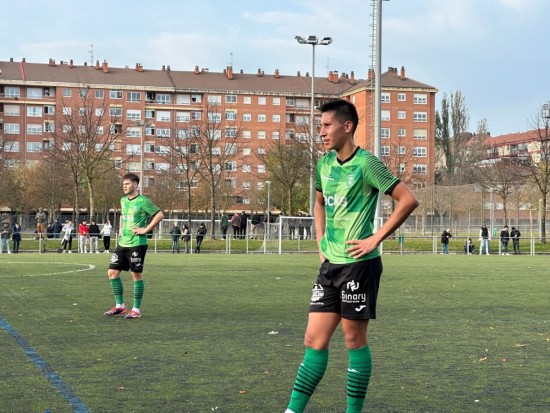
(309, 375)
(138, 293)
(359, 371)
(116, 287)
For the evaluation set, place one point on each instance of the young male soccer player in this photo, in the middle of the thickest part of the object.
(348, 182)
(132, 245)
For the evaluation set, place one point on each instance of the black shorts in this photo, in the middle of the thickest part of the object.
(350, 290)
(128, 258)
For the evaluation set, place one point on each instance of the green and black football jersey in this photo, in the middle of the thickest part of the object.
(350, 190)
(135, 213)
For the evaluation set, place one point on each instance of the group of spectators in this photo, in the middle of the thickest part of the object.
(484, 241)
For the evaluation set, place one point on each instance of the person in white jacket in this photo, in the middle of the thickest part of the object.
(106, 233)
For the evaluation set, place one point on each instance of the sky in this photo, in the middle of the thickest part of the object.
(495, 52)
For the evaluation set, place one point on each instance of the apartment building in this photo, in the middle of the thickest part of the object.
(245, 113)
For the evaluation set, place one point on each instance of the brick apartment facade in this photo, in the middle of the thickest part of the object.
(254, 111)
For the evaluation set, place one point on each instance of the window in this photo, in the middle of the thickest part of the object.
(49, 110)
(261, 151)
(420, 117)
(420, 151)
(402, 168)
(261, 117)
(12, 91)
(385, 151)
(247, 117)
(133, 149)
(290, 102)
(196, 98)
(133, 132)
(163, 116)
(231, 115)
(133, 167)
(216, 151)
(420, 99)
(11, 128)
(384, 133)
(11, 146)
(246, 151)
(115, 111)
(183, 117)
(34, 146)
(214, 117)
(230, 166)
(247, 100)
(66, 93)
(230, 149)
(99, 94)
(149, 148)
(261, 100)
(401, 132)
(246, 185)
(34, 129)
(183, 99)
(34, 111)
(83, 93)
(99, 112)
(385, 98)
(49, 126)
(196, 115)
(401, 114)
(149, 165)
(261, 169)
(133, 96)
(230, 98)
(99, 131)
(34, 93)
(149, 131)
(214, 135)
(162, 166)
(81, 111)
(385, 115)
(421, 169)
(12, 110)
(402, 150)
(118, 163)
(115, 94)
(247, 134)
(261, 134)
(276, 118)
(275, 135)
(401, 97)
(162, 149)
(163, 98)
(163, 133)
(276, 101)
(246, 168)
(230, 132)
(420, 134)
(215, 100)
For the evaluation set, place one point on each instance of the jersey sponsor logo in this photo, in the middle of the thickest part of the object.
(352, 285)
(353, 298)
(335, 200)
(327, 178)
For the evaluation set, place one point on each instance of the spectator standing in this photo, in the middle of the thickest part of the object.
(176, 234)
(291, 227)
(224, 223)
(40, 219)
(49, 231)
(469, 246)
(504, 239)
(5, 237)
(186, 237)
(83, 231)
(16, 237)
(445, 236)
(57, 228)
(106, 233)
(201, 232)
(67, 230)
(255, 222)
(236, 225)
(244, 223)
(94, 233)
(515, 235)
(484, 240)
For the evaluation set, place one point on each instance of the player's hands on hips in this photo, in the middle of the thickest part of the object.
(360, 247)
(138, 231)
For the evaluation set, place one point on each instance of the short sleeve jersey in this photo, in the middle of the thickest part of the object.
(350, 190)
(135, 213)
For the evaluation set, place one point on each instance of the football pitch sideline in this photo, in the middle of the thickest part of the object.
(223, 333)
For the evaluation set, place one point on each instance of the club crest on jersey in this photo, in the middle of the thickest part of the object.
(350, 180)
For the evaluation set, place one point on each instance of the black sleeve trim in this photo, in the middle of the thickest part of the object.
(391, 188)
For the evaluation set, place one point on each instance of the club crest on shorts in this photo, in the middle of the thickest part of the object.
(317, 292)
(114, 258)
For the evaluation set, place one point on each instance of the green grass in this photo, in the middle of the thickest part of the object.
(454, 334)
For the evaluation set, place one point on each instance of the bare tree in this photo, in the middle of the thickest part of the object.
(86, 133)
(539, 165)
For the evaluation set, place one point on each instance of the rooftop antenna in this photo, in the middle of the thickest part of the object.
(328, 65)
(91, 51)
(231, 59)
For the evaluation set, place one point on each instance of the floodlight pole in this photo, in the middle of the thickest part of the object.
(313, 41)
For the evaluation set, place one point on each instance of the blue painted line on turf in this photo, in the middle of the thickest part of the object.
(47, 370)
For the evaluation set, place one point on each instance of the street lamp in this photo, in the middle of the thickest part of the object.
(142, 125)
(268, 206)
(313, 41)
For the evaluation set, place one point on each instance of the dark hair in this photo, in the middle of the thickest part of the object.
(343, 111)
(132, 177)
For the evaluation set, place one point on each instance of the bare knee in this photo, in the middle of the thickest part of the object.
(113, 273)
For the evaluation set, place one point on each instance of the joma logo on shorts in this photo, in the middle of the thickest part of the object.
(335, 200)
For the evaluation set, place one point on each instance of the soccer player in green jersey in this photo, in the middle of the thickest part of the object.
(348, 182)
(136, 210)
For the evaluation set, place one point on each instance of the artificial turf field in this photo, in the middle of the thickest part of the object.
(224, 333)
